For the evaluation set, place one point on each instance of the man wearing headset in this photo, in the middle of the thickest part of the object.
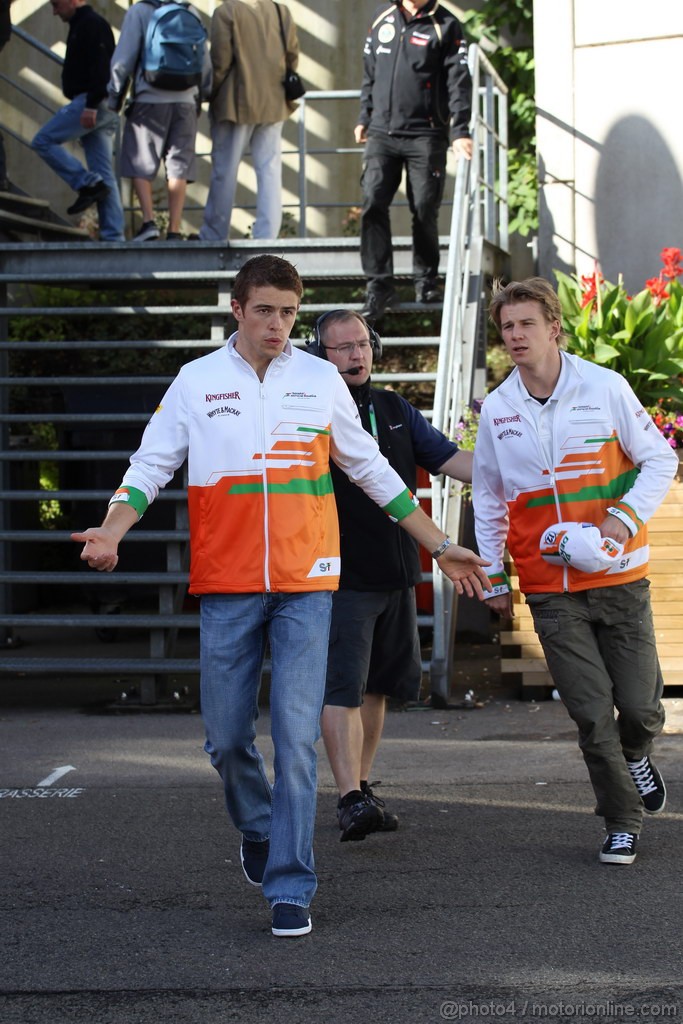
(374, 648)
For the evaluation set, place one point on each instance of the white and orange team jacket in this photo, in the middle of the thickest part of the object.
(607, 455)
(261, 504)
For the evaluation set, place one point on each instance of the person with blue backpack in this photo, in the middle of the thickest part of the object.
(163, 50)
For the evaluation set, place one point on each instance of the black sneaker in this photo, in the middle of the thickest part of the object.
(174, 236)
(147, 233)
(427, 291)
(619, 848)
(649, 783)
(254, 857)
(377, 304)
(88, 196)
(357, 816)
(389, 821)
(289, 919)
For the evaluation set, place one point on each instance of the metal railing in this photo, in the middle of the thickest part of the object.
(300, 143)
(479, 219)
(41, 384)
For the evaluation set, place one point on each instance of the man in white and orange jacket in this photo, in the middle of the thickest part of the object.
(565, 441)
(258, 422)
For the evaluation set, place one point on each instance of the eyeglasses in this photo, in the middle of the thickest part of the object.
(349, 346)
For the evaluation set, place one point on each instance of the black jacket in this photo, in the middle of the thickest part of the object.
(416, 80)
(376, 554)
(89, 46)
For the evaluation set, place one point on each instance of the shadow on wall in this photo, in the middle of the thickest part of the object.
(638, 202)
(548, 257)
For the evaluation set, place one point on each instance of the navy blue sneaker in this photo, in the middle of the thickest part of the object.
(289, 919)
(254, 857)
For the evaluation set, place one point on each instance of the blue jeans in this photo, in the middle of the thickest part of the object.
(234, 630)
(98, 145)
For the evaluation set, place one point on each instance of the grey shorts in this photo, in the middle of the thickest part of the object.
(159, 131)
(374, 647)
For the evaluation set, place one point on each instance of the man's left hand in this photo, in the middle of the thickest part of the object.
(462, 148)
(88, 118)
(464, 570)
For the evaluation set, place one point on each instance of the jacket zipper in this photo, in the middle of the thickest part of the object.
(264, 478)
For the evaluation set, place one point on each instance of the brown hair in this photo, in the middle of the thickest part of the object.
(533, 289)
(266, 271)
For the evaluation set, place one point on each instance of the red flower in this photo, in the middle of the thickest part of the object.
(657, 288)
(671, 258)
(589, 286)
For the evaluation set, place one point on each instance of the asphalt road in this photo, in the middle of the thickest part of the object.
(123, 900)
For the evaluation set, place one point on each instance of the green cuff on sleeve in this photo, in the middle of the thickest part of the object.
(131, 496)
(500, 581)
(401, 506)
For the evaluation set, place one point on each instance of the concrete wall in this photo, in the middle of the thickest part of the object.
(331, 34)
(610, 147)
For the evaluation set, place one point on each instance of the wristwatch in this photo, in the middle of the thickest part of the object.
(445, 543)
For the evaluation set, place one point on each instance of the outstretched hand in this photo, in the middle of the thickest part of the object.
(100, 548)
(464, 570)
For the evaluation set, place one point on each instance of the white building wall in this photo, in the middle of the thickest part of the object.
(610, 147)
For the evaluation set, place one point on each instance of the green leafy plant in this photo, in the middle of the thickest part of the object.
(514, 62)
(639, 336)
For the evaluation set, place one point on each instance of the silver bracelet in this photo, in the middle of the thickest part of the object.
(445, 543)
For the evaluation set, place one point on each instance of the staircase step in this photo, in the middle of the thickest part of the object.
(34, 226)
(15, 200)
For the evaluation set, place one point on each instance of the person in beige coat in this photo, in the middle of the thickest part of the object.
(248, 109)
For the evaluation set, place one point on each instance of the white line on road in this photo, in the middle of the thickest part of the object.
(56, 774)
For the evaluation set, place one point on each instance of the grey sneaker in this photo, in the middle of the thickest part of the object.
(649, 783)
(619, 848)
(147, 233)
(427, 291)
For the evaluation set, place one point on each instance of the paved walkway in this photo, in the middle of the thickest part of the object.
(123, 901)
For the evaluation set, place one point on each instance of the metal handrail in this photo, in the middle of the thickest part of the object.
(479, 214)
(302, 149)
(476, 185)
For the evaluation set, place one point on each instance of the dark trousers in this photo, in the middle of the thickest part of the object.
(424, 159)
(600, 648)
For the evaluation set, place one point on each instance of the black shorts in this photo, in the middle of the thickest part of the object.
(374, 647)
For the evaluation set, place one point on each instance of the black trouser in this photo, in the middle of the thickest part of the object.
(385, 157)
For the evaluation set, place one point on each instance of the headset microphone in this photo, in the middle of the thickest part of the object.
(314, 341)
(354, 371)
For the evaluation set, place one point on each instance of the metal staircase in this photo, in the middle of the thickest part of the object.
(91, 334)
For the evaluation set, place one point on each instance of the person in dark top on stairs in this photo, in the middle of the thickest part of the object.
(416, 101)
(374, 650)
(89, 47)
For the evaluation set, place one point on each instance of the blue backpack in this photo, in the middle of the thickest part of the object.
(173, 51)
